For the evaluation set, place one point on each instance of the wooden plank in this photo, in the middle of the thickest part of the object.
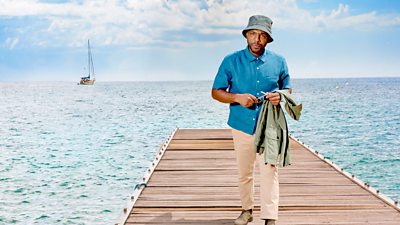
(208, 134)
(287, 217)
(196, 183)
(201, 145)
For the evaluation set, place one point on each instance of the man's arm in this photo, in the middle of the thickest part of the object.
(246, 100)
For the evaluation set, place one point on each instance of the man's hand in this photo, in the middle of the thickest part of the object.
(274, 98)
(246, 100)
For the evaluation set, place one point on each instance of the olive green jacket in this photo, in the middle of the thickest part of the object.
(271, 137)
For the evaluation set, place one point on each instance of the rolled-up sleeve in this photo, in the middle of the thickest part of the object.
(223, 78)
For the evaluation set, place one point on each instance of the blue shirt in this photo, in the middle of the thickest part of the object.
(242, 72)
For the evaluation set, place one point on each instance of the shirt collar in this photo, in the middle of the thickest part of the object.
(251, 57)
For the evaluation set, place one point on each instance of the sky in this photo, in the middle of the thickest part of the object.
(151, 40)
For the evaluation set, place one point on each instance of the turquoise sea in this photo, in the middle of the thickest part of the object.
(72, 154)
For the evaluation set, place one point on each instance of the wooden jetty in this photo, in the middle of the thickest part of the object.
(193, 181)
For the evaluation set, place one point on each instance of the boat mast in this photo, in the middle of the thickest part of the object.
(90, 62)
(88, 44)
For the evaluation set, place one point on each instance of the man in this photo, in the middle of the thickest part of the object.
(244, 78)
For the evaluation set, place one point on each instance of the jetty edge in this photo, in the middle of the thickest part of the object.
(201, 180)
(123, 216)
(365, 185)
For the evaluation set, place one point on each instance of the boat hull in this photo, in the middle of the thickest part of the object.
(86, 82)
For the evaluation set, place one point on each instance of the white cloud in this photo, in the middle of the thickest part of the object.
(161, 22)
(10, 43)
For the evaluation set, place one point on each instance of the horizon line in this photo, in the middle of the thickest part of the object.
(200, 80)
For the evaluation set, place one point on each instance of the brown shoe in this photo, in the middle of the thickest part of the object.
(269, 222)
(244, 218)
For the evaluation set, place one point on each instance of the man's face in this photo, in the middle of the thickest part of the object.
(257, 40)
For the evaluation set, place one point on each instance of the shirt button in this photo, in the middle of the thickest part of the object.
(258, 68)
(254, 118)
(258, 81)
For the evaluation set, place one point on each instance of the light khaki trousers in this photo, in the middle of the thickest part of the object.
(269, 182)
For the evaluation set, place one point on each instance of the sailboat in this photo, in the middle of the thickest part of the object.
(90, 78)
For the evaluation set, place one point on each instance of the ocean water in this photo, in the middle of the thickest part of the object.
(73, 154)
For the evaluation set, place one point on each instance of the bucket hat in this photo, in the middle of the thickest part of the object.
(259, 22)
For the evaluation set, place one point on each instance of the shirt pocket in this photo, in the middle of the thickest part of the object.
(269, 81)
